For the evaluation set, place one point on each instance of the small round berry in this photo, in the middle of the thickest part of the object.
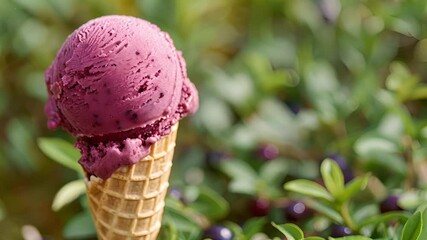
(391, 203)
(296, 211)
(177, 194)
(214, 158)
(218, 232)
(267, 152)
(340, 231)
(260, 207)
(293, 106)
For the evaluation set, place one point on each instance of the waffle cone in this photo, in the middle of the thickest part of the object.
(129, 205)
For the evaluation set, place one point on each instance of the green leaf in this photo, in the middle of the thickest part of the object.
(244, 178)
(195, 235)
(326, 210)
(370, 144)
(210, 204)
(420, 92)
(169, 231)
(61, 151)
(313, 238)
(385, 217)
(273, 172)
(351, 238)
(290, 230)
(214, 114)
(322, 87)
(412, 199)
(80, 227)
(236, 230)
(177, 216)
(253, 226)
(413, 227)
(20, 136)
(271, 116)
(401, 81)
(423, 234)
(332, 177)
(68, 193)
(308, 188)
(354, 187)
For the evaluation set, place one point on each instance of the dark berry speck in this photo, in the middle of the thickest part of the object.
(260, 207)
(297, 211)
(131, 115)
(214, 158)
(293, 106)
(267, 152)
(218, 232)
(177, 194)
(391, 203)
(340, 231)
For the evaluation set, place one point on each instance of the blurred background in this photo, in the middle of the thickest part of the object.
(282, 85)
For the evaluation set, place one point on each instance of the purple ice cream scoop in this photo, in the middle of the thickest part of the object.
(118, 84)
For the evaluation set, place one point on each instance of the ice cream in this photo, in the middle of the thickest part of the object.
(118, 84)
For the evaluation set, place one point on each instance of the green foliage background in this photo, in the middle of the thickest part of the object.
(355, 68)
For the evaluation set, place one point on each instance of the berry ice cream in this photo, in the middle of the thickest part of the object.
(118, 84)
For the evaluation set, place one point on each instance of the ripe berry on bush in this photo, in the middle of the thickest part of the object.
(390, 204)
(267, 152)
(295, 107)
(296, 211)
(218, 232)
(214, 158)
(260, 207)
(177, 194)
(340, 231)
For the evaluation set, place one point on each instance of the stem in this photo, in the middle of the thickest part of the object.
(348, 220)
(411, 177)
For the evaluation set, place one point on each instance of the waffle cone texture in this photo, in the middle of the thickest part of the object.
(129, 205)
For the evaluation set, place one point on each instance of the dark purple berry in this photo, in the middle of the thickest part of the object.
(340, 231)
(296, 211)
(391, 203)
(293, 106)
(260, 207)
(213, 158)
(345, 167)
(267, 152)
(218, 232)
(177, 194)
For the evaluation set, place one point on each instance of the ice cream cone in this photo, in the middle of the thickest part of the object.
(129, 204)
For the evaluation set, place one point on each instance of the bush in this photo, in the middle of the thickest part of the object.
(311, 121)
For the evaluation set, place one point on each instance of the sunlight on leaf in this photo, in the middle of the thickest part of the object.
(68, 193)
(332, 177)
(413, 227)
(211, 204)
(354, 187)
(290, 230)
(308, 188)
(253, 226)
(61, 151)
(243, 176)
